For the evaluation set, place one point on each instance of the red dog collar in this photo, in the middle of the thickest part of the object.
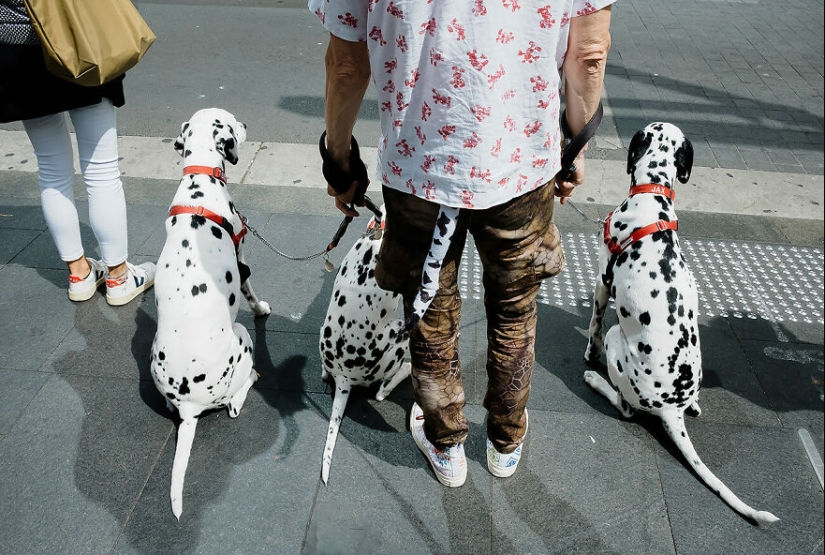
(217, 173)
(653, 188)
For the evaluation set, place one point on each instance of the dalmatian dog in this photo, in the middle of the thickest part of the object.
(653, 354)
(361, 341)
(201, 358)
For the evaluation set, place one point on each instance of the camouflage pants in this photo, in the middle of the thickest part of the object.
(519, 246)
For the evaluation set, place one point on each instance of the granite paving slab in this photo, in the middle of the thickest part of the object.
(73, 465)
(249, 486)
(37, 315)
(597, 486)
(383, 497)
(767, 468)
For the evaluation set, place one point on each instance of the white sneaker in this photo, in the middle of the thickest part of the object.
(449, 465)
(504, 465)
(82, 289)
(136, 280)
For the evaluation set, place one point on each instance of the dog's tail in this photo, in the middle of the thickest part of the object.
(674, 423)
(342, 389)
(186, 435)
(445, 228)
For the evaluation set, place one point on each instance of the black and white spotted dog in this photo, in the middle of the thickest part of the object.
(362, 341)
(653, 354)
(201, 357)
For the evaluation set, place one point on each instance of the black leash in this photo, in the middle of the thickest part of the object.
(574, 145)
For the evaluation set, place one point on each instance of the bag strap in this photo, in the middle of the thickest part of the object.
(574, 145)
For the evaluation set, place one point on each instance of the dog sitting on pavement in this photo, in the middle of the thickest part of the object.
(653, 354)
(201, 358)
(362, 342)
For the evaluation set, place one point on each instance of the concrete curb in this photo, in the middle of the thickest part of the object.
(713, 190)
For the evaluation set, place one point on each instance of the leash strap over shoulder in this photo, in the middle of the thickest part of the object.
(577, 143)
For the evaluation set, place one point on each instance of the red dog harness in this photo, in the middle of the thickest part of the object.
(618, 247)
(217, 173)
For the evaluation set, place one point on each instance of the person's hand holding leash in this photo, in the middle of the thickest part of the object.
(567, 182)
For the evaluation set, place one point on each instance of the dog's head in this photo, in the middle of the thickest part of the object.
(659, 153)
(212, 126)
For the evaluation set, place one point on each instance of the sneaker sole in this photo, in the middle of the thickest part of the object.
(444, 480)
(120, 301)
(86, 295)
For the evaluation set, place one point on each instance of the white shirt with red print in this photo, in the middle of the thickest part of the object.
(468, 91)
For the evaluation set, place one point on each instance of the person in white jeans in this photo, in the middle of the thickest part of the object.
(96, 132)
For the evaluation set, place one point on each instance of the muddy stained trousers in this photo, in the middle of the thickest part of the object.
(519, 246)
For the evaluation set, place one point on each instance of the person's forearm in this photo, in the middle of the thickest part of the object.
(584, 66)
(347, 79)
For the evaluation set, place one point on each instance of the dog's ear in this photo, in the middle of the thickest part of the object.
(179, 142)
(638, 146)
(684, 161)
(228, 138)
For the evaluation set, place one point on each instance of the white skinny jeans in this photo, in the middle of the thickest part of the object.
(96, 130)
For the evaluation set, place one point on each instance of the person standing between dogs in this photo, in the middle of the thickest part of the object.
(29, 93)
(469, 99)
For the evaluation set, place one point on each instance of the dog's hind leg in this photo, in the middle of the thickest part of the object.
(390, 382)
(595, 345)
(598, 383)
(186, 435)
(238, 399)
(339, 404)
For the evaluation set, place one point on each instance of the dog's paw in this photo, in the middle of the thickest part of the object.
(261, 309)
(591, 377)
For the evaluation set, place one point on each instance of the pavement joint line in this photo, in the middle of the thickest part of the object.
(813, 454)
(710, 190)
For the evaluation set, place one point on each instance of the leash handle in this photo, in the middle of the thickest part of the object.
(335, 175)
(573, 146)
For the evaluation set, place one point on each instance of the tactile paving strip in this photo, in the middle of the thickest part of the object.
(776, 283)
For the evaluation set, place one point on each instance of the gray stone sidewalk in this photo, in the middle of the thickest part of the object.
(742, 78)
(86, 443)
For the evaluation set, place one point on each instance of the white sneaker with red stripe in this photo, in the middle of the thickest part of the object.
(82, 289)
(449, 465)
(133, 282)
